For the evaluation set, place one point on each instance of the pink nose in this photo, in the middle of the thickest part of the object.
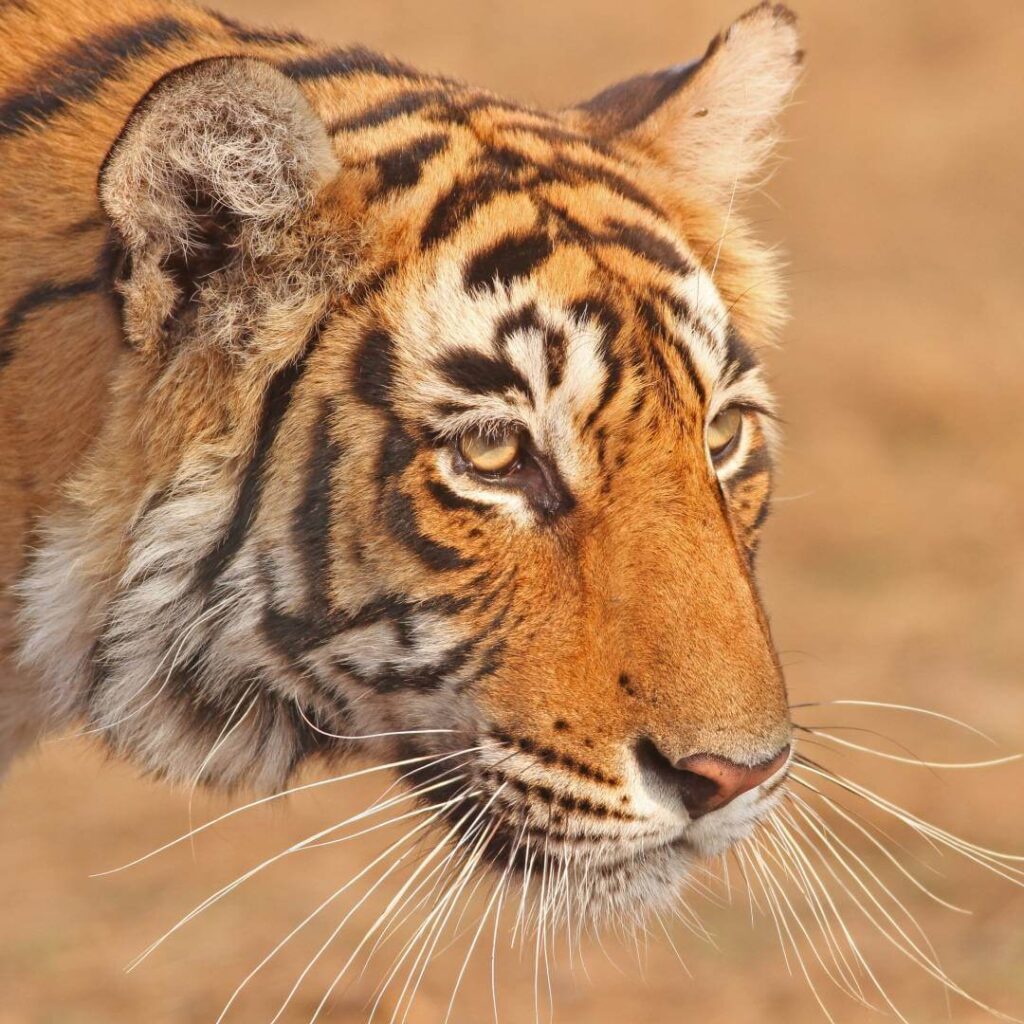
(708, 781)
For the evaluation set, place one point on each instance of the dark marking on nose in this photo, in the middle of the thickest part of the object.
(706, 782)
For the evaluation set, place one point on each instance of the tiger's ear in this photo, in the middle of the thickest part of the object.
(213, 165)
(710, 121)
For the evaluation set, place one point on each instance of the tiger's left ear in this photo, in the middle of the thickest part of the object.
(711, 121)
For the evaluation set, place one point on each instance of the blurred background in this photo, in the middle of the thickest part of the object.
(893, 567)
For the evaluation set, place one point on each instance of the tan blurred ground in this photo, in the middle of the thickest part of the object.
(894, 567)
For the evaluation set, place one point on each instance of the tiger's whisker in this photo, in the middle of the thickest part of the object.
(225, 734)
(294, 848)
(433, 925)
(915, 761)
(367, 736)
(769, 852)
(909, 875)
(995, 860)
(385, 914)
(790, 862)
(330, 899)
(908, 947)
(373, 769)
(927, 712)
(792, 834)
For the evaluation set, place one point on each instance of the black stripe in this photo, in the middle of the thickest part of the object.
(573, 172)
(555, 133)
(759, 519)
(79, 71)
(691, 370)
(390, 110)
(481, 374)
(522, 319)
(293, 636)
(424, 679)
(276, 402)
(740, 355)
(402, 168)
(244, 34)
(39, 297)
(646, 244)
(656, 326)
(757, 462)
(399, 510)
(556, 346)
(489, 664)
(311, 520)
(403, 523)
(396, 455)
(485, 101)
(452, 502)
(372, 283)
(662, 370)
(374, 372)
(513, 257)
(458, 204)
(594, 308)
(343, 63)
(611, 324)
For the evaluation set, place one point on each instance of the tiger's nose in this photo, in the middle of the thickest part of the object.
(706, 782)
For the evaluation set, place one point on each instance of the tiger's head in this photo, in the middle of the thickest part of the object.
(440, 421)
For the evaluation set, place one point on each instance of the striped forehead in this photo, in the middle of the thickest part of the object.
(478, 355)
(535, 261)
(474, 344)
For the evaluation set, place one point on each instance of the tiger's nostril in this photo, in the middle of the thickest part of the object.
(706, 782)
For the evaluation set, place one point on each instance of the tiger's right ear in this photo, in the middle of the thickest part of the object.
(216, 161)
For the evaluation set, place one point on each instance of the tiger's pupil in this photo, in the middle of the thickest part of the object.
(490, 453)
(723, 431)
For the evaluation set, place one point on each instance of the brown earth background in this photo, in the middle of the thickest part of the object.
(893, 567)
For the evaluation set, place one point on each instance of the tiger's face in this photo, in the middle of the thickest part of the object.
(568, 446)
(443, 423)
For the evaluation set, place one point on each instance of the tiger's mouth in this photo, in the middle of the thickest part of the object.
(618, 849)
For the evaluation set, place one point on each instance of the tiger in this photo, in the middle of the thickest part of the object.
(349, 410)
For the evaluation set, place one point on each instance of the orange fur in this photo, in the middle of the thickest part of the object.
(269, 299)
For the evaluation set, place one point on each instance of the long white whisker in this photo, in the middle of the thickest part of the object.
(395, 900)
(369, 735)
(438, 809)
(278, 796)
(302, 844)
(225, 734)
(909, 875)
(172, 652)
(893, 707)
(917, 762)
(907, 947)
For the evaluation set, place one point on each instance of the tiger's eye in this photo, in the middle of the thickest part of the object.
(723, 431)
(491, 453)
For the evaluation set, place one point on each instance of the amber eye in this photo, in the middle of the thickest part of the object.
(724, 431)
(491, 452)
